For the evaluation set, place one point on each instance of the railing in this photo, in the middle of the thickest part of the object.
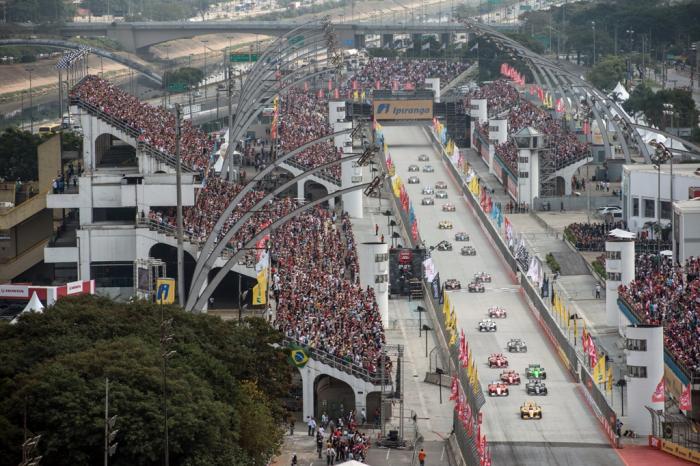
(130, 130)
(341, 364)
(303, 168)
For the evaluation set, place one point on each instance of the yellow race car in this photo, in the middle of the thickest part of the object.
(530, 410)
(444, 225)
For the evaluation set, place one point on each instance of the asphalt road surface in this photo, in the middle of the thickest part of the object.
(568, 433)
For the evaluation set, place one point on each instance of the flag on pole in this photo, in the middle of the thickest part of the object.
(600, 366)
(609, 385)
(659, 394)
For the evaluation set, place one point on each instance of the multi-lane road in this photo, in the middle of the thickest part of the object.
(568, 432)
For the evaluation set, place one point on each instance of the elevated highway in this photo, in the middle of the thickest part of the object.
(137, 35)
(568, 432)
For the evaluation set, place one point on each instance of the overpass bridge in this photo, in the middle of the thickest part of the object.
(138, 35)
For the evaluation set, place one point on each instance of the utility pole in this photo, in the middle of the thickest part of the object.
(178, 187)
(31, 112)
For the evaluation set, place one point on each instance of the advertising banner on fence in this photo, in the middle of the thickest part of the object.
(403, 109)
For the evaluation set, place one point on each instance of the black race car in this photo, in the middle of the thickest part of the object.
(441, 194)
(428, 201)
(536, 387)
(461, 236)
(516, 345)
(423, 158)
(468, 251)
(428, 169)
(440, 185)
(413, 168)
(428, 190)
(413, 180)
(487, 325)
(444, 246)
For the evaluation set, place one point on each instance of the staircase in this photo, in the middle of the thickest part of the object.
(416, 288)
(331, 184)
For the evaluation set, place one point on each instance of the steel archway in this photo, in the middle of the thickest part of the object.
(211, 286)
(64, 44)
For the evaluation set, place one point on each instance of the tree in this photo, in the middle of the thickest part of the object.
(224, 385)
(644, 99)
(188, 76)
(18, 159)
(607, 73)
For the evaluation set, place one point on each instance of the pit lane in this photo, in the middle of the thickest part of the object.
(566, 422)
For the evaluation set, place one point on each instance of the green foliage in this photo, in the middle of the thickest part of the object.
(224, 385)
(382, 52)
(552, 263)
(644, 99)
(18, 154)
(599, 268)
(71, 142)
(491, 58)
(38, 11)
(187, 76)
(607, 73)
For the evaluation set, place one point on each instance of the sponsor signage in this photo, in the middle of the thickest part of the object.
(74, 287)
(403, 109)
(14, 291)
(680, 452)
(238, 57)
(165, 293)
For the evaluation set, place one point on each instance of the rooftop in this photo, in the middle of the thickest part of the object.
(681, 169)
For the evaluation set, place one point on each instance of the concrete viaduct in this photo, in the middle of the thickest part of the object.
(138, 35)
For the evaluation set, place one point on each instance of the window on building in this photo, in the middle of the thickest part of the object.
(523, 160)
(493, 128)
(666, 210)
(614, 255)
(381, 278)
(639, 372)
(615, 276)
(636, 345)
(381, 257)
(523, 174)
(649, 208)
(635, 207)
(113, 274)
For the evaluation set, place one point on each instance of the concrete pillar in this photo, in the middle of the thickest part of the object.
(387, 40)
(478, 113)
(417, 38)
(350, 172)
(300, 189)
(307, 384)
(446, 39)
(360, 403)
(619, 269)
(640, 389)
(373, 258)
(359, 41)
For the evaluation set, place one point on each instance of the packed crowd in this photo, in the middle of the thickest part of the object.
(319, 300)
(501, 98)
(591, 237)
(669, 295)
(155, 125)
(392, 73)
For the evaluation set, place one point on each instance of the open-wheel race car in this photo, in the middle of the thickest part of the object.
(440, 185)
(536, 387)
(441, 194)
(516, 345)
(428, 201)
(413, 168)
(461, 236)
(530, 410)
(423, 158)
(448, 207)
(468, 251)
(444, 245)
(498, 360)
(535, 371)
(476, 287)
(428, 190)
(428, 169)
(510, 376)
(498, 388)
(413, 180)
(452, 284)
(487, 325)
(497, 312)
(444, 225)
(483, 277)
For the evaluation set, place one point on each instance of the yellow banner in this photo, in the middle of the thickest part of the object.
(681, 452)
(260, 290)
(165, 290)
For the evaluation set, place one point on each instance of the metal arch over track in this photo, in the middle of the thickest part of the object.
(211, 286)
(64, 44)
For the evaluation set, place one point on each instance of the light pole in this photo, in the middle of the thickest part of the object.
(439, 372)
(426, 329)
(31, 110)
(420, 310)
(178, 187)
(622, 383)
(204, 43)
(593, 24)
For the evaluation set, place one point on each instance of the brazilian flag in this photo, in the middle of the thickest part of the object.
(298, 356)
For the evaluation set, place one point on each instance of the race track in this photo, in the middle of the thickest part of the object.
(568, 432)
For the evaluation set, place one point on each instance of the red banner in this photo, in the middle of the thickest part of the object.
(659, 394)
(686, 403)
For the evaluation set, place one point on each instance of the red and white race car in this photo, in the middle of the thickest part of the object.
(498, 388)
(496, 312)
(511, 377)
(498, 360)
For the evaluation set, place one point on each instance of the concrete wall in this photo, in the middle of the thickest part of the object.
(49, 162)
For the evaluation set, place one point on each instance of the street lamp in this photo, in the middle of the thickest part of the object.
(593, 24)
(420, 310)
(440, 373)
(204, 43)
(426, 329)
(622, 383)
(31, 111)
